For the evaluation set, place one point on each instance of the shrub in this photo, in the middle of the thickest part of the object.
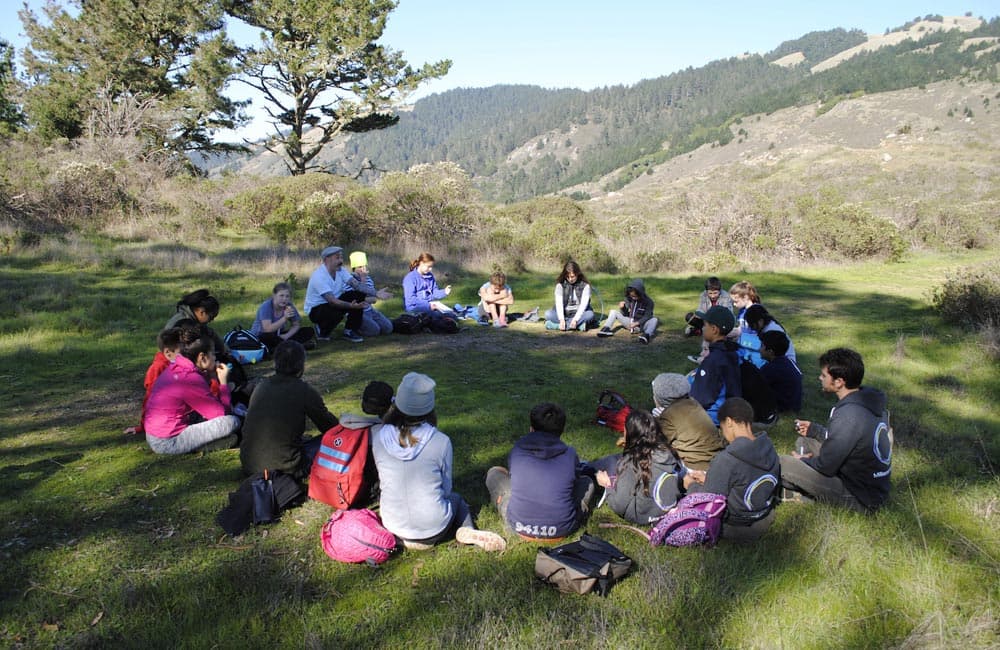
(970, 298)
(281, 198)
(849, 231)
(550, 230)
(432, 203)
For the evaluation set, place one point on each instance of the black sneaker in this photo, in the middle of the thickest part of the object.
(643, 339)
(352, 336)
(604, 332)
(320, 336)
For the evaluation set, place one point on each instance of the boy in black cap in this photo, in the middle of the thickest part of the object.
(718, 376)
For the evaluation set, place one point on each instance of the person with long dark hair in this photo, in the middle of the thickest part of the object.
(572, 301)
(646, 479)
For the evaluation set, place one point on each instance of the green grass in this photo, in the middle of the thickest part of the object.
(105, 544)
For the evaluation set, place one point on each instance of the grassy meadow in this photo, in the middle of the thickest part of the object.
(105, 544)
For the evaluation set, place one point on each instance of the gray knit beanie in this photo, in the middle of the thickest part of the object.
(415, 395)
(669, 387)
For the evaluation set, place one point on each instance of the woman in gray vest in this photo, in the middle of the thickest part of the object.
(572, 296)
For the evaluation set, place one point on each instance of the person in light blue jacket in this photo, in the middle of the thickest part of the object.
(414, 462)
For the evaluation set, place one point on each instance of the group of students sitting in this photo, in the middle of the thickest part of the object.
(744, 354)
(700, 435)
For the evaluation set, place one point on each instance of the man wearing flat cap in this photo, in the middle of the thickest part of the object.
(329, 298)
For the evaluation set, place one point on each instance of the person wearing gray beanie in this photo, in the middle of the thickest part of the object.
(669, 387)
(686, 425)
(414, 462)
(415, 395)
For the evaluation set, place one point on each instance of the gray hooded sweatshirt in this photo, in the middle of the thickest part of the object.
(415, 481)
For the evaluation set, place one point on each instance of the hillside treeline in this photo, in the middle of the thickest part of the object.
(574, 137)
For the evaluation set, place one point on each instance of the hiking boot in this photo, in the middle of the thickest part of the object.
(352, 336)
(605, 331)
(484, 539)
(320, 336)
(643, 339)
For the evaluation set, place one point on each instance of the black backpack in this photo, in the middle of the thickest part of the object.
(589, 564)
(444, 325)
(246, 347)
(410, 323)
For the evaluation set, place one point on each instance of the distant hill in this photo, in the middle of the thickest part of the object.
(523, 141)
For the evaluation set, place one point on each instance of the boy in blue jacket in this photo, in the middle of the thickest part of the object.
(543, 496)
(718, 376)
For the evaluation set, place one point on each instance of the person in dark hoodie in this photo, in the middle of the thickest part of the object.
(274, 429)
(747, 472)
(645, 481)
(717, 378)
(848, 461)
(634, 313)
(544, 496)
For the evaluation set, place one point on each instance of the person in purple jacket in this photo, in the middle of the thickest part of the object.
(421, 293)
(544, 495)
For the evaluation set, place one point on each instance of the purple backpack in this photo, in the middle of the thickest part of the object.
(695, 520)
(357, 536)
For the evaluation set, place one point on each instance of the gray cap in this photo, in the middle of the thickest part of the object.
(415, 395)
(670, 386)
(330, 250)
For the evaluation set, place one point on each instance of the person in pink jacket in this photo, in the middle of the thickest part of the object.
(182, 414)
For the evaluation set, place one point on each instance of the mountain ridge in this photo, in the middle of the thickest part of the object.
(520, 141)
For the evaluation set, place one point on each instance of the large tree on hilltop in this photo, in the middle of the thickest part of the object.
(322, 73)
(173, 52)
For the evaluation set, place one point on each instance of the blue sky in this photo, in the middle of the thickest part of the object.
(589, 43)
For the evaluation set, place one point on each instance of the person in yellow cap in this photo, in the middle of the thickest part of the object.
(373, 322)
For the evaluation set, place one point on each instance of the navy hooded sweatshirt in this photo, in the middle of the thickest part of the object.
(542, 473)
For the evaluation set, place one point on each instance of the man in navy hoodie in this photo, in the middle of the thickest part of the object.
(847, 462)
(542, 496)
(747, 472)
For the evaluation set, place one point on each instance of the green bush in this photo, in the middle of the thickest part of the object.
(970, 298)
(551, 230)
(849, 231)
(954, 227)
(279, 200)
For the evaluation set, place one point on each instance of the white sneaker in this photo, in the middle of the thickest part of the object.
(484, 539)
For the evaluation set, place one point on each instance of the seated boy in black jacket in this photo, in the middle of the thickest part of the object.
(747, 472)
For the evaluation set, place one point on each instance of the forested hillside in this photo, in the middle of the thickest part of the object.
(522, 141)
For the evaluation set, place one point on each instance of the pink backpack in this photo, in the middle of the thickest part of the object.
(357, 536)
(695, 520)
